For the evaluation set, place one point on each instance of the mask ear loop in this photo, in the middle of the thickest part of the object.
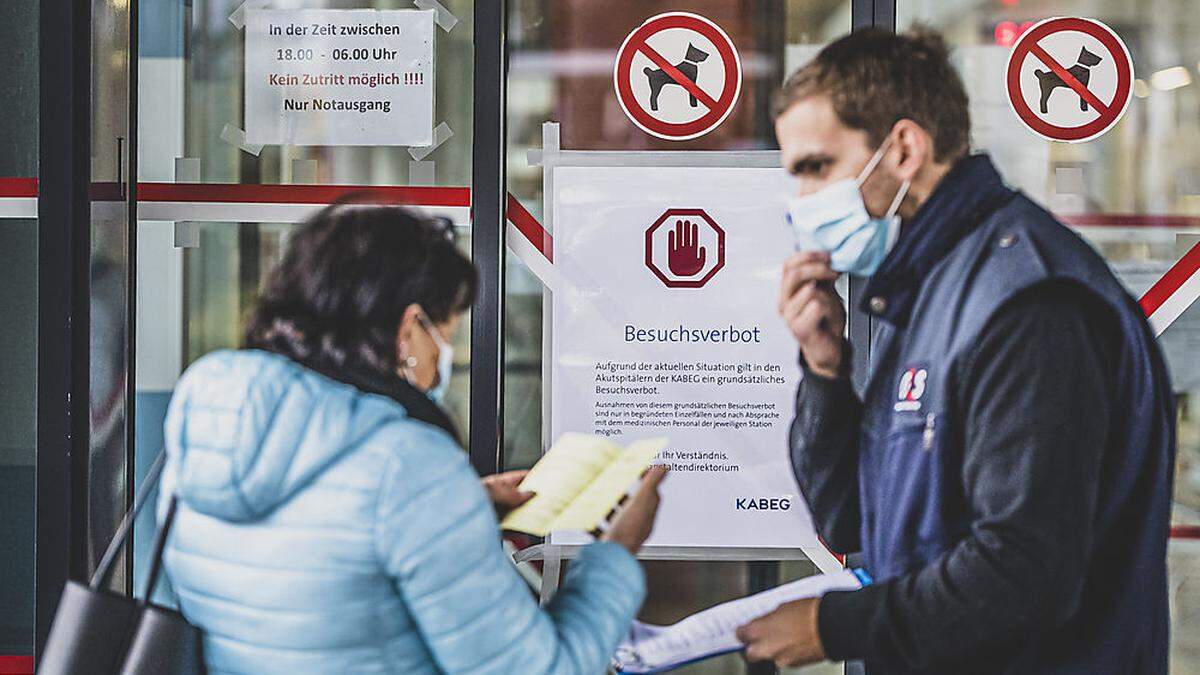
(438, 339)
(405, 368)
(892, 219)
(899, 198)
(433, 331)
(875, 159)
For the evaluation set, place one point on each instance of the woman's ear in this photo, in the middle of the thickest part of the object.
(409, 323)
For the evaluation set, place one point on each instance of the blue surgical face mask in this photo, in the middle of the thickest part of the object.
(445, 365)
(836, 220)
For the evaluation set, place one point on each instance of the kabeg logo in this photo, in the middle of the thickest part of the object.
(685, 248)
(763, 504)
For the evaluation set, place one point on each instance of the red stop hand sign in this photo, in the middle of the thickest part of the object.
(685, 256)
(685, 248)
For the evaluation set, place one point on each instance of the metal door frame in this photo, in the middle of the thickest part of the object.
(64, 244)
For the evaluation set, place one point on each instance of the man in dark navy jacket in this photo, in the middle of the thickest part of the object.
(1006, 471)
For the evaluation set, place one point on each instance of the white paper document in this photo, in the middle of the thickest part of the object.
(646, 343)
(339, 76)
(657, 649)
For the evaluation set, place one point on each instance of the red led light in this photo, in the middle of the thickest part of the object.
(1007, 32)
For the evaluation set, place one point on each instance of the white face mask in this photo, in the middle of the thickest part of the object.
(445, 365)
(836, 220)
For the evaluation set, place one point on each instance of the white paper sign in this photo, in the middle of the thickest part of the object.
(339, 77)
(665, 324)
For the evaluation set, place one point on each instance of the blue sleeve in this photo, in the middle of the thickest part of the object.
(438, 538)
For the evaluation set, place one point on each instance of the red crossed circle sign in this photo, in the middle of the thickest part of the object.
(715, 103)
(1029, 96)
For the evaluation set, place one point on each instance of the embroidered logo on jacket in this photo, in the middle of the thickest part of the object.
(912, 388)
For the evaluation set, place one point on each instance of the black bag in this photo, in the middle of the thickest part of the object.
(97, 632)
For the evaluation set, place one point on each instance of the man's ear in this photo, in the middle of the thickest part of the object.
(915, 148)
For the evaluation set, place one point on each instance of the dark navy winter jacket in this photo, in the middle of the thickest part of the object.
(1006, 473)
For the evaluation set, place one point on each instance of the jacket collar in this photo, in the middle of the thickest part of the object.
(970, 191)
(418, 405)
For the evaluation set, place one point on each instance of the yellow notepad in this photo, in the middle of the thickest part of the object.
(578, 482)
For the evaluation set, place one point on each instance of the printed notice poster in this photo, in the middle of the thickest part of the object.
(665, 324)
(339, 77)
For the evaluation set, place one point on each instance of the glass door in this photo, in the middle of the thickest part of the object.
(110, 270)
(561, 58)
(1133, 193)
(224, 180)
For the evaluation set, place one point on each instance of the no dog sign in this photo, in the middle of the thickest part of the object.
(677, 76)
(1069, 79)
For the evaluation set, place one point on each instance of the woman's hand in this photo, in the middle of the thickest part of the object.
(502, 488)
(635, 518)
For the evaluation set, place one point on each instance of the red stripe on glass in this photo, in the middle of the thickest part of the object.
(260, 194)
(528, 226)
(16, 665)
(1175, 277)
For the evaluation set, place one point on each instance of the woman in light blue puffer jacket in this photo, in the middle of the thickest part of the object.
(328, 520)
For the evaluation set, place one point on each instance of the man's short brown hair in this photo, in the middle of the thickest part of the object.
(875, 78)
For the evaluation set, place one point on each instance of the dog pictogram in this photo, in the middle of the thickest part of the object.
(1081, 71)
(1083, 56)
(690, 67)
(683, 50)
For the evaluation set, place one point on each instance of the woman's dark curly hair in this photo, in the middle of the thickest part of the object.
(337, 298)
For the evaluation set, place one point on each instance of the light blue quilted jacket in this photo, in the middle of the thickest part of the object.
(320, 530)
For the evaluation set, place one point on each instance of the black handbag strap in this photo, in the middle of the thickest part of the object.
(108, 563)
(160, 545)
